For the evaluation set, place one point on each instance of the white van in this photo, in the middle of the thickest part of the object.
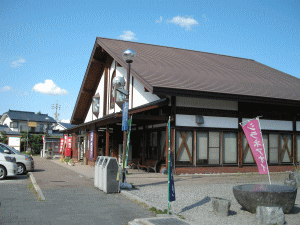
(25, 162)
(8, 166)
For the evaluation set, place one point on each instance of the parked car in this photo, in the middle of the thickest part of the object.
(25, 162)
(8, 166)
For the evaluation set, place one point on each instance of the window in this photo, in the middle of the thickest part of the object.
(201, 148)
(32, 129)
(213, 147)
(184, 147)
(13, 124)
(229, 147)
(112, 91)
(41, 127)
(298, 147)
(278, 148)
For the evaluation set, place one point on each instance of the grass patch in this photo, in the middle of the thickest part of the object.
(158, 211)
(181, 217)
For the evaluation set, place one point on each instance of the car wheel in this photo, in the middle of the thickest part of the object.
(2, 173)
(21, 169)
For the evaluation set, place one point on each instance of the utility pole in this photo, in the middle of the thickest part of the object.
(56, 107)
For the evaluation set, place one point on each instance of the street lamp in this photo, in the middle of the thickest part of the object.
(46, 126)
(128, 56)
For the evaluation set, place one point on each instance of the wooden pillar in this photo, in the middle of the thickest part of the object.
(107, 141)
(95, 144)
(105, 91)
(295, 140)
(167, 147)
(240, 141)
(195, 148)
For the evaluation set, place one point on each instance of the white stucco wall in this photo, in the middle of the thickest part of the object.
(209, 121)
(140, 97)
(206, 103)
(274, 124)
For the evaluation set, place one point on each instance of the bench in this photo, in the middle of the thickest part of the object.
(149, 165)
(134, 163)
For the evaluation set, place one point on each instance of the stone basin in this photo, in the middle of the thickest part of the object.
(249, 196)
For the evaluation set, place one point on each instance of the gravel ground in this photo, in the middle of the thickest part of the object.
(193, 196)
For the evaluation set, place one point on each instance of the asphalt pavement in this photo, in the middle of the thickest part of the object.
(70, 198)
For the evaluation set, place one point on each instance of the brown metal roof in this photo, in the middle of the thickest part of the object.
(165, 70)
(173, 68)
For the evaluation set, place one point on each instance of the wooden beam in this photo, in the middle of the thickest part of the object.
(105, 91)
(150, 117)
(88, 91)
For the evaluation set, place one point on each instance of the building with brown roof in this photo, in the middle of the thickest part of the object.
(206, 95)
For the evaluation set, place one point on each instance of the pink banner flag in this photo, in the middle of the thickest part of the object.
(254, 138)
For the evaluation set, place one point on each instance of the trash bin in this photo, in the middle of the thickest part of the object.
(96, 173)
(110, 171)
(100, 173)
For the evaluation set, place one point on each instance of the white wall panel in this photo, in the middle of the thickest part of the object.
(206, 103)
(209, 121)
(274, 124)
(298, 126)
(140, 97)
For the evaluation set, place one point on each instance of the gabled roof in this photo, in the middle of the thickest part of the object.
(66, 125)
(173, 71)
(31, 116)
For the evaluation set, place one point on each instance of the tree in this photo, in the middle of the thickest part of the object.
(39, 113)
(35, 141)
(3, 137)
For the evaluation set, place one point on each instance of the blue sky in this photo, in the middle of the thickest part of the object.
(45, 46)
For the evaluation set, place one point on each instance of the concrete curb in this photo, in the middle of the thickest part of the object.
(36, 187)
(134, 197)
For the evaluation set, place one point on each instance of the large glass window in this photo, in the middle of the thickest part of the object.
(201, 148)
(213, 147)
(247, 154)
(286, 148)
(298, 147)
(273, 148)
(229, 147)
(184, 147)
(163, 144)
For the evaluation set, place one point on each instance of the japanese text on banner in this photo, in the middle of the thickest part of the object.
(254, 138)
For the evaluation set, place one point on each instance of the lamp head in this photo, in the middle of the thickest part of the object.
(129, 55)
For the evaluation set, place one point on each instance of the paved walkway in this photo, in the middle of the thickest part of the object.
(72, 199)
(150, 188)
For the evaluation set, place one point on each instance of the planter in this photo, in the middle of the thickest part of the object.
(249, 196)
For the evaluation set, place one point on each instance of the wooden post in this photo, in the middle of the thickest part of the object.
(95, 144)
(240, 142)
(107, 142)
(295, 141)
(167, 144)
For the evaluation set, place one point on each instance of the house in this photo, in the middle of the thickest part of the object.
(206, 96)
(59, 126)
(19, 121)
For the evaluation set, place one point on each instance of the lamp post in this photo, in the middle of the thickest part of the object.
(128, 56)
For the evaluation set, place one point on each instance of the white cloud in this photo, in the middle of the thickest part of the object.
(185, 22)
(65, 121)
(127, 36)
(18, 63)
(49, 88)
(159, 21)
(5, 89)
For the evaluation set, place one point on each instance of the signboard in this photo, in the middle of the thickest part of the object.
(254, 138)
(125, 116)
(61, 145)
(31, 124)
(92, 145)
(68, 146)
(14, 142)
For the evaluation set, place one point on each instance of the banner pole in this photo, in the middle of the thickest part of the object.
(169, 158)
(264, 150)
